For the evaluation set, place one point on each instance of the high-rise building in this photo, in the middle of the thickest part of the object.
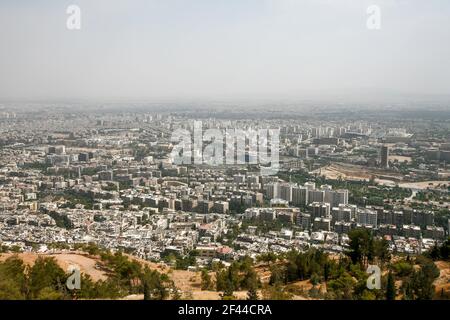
(320, 209)
(304, 220)
(299, 196)
(189, 204)
(272, 190)
(204, 206)
(411, 231)
(398, 218)
(341, 213)
(316, 196)
(247, 200)
(434, 232)
(367, 217)
(286, 192)
(221, 207)
(384, 157)
(336, 197)
(322, 223)
(342, 227)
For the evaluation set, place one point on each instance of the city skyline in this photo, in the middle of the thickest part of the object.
(226, 150)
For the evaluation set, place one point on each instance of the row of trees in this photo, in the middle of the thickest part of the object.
(45, 279)
(240, 275)
(133, 277)
(419, 284)
(365, 249)
(346, 277)
(440, 252)
(180, 262)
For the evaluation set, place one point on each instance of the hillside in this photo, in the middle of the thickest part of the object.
(189, 282)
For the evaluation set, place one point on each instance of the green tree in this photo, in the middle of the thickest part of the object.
(403, 268)
(228, 293)
(48, 293)
(315, 279)
(419, 286)
(342, 286)
(368, 295)
(440, 252)
(267, 257)
(276, 275)
(276, 292)
(326, 270)
(206, 283)
(381, 250)
(9, 290)
(250, 280)
(360, 246)
(252, 293)
(13, 273)
(46, 273)
(153, 285)
(390, 287)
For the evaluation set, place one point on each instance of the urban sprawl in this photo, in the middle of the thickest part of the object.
(107, 176)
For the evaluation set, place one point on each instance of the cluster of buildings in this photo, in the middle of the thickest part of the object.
(108, 178)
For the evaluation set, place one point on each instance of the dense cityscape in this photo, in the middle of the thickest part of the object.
(204, 158)
(105, 177)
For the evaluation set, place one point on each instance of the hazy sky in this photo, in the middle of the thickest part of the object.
(147, 49)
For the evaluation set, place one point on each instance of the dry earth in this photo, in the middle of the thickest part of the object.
(188, 281)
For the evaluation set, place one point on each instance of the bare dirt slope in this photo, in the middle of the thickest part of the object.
(86, 263)
(443, 282)
(189, 282)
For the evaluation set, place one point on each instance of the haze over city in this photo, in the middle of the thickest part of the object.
(226, 150)
(248, 49)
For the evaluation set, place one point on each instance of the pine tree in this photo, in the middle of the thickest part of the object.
(326, 271)
(206, 283)
(229, 290)
(390, 288)
(147, 293)
(252, 294)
